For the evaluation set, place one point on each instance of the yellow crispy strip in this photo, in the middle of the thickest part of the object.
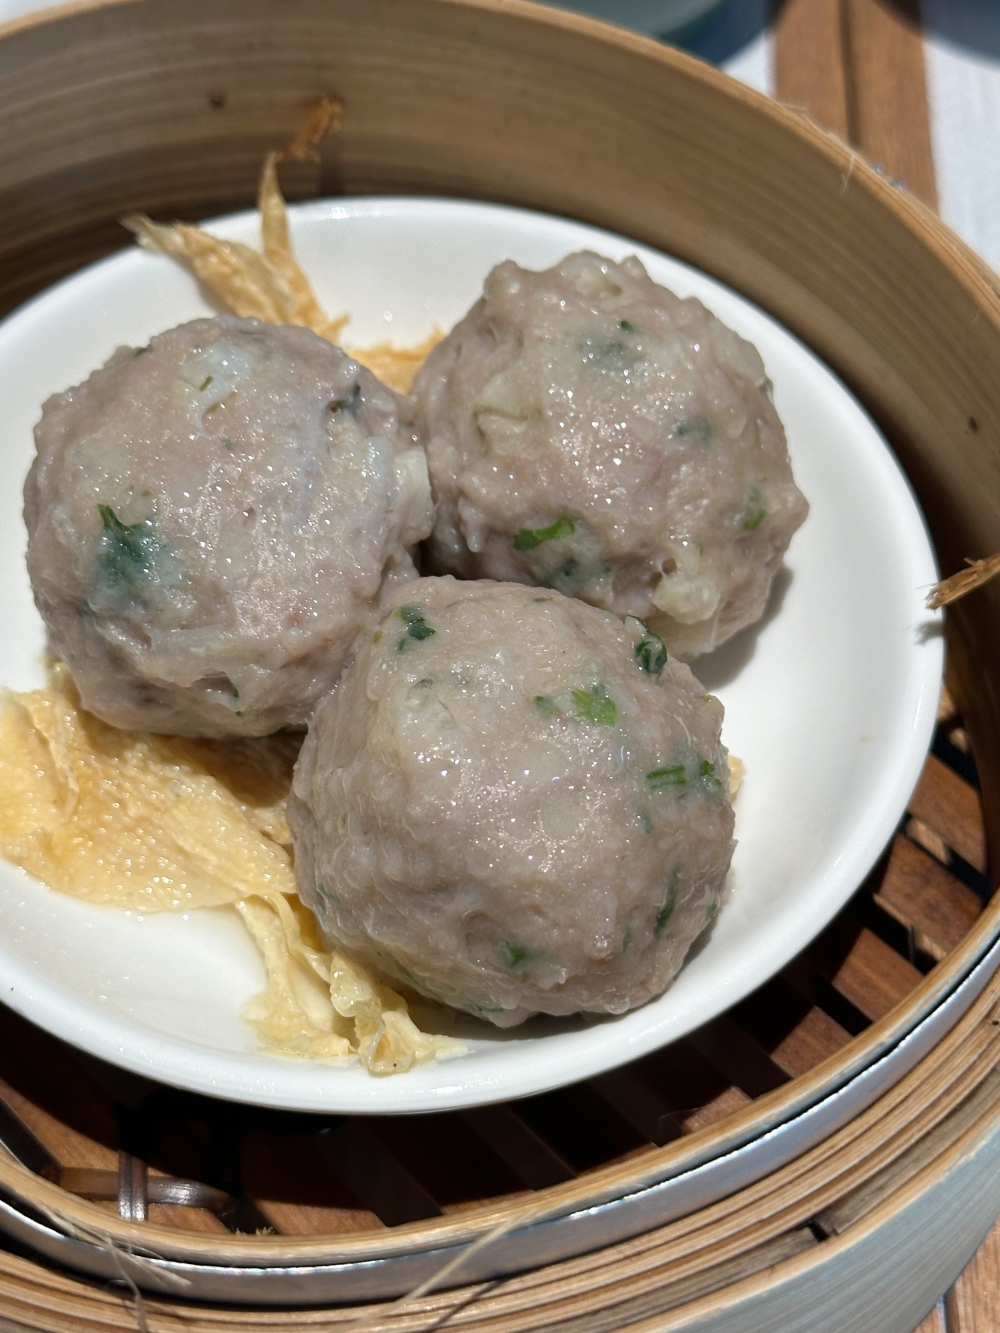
(293, 1015)
(272, 286)
(396, 366)
(306, 310)
(160, 823)
(317, 999)
(121, 818)
(246, 282)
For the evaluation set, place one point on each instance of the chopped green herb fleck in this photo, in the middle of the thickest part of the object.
(694, 774)
(755, 512)
(239, 712)
(651, 653)
(669, 778)
(663, 916)
(699, 427)
(205, 383)
(528, 538)
(541, 599)
(416, 626)
(595, 705)
(139, 350)
(517, 954)
(713, 911)
(626, 937)
(376, 636)
(646, 822)
(667, 910)
(235, 691)
(545, 705)
(128, 552)
(626, 326)
(228, 444)
(425, 683)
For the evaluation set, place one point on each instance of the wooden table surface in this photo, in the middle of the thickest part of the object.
(856, 67)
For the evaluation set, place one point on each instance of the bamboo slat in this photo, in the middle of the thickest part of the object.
(973, 1303)
(890, 121)
(949, 805)
(856, 67)
(811, 61)
(936, 1321)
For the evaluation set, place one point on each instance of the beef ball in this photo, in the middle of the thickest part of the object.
(211, 522)
(514, 803)
(589, 431)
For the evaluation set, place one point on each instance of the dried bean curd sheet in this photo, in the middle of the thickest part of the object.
(152, 823)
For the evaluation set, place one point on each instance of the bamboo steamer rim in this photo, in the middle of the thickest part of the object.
(982, 288)
(916, 1118)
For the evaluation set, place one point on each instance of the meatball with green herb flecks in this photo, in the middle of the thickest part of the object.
(589, 431)
(212, 520)
(514, 802)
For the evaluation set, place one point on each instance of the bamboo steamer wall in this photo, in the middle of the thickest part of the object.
(169, 106)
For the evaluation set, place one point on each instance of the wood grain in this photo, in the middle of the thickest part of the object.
(856, 67)
(872, 976)
(810, 61)
(951, 807)
(936, 1321)
(816, 1037)
(921, 895)
(889, 120)
(973, 1304)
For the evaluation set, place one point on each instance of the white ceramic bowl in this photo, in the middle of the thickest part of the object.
(830, 700)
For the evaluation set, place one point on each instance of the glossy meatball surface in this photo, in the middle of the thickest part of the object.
(212, 521)
(588, 430)
(514, 802)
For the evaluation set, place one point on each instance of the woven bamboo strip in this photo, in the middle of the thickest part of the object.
(913, 1124)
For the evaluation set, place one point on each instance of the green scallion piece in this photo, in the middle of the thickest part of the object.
(651, 653)
(416, 626)
(670, 778)
(595, 705)
(755, 512)
(528, 538)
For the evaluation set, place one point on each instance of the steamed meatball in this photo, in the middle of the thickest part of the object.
(589, 431)
(514, 802)
(211, 522)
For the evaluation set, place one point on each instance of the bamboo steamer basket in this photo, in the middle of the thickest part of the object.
(824, 1157)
